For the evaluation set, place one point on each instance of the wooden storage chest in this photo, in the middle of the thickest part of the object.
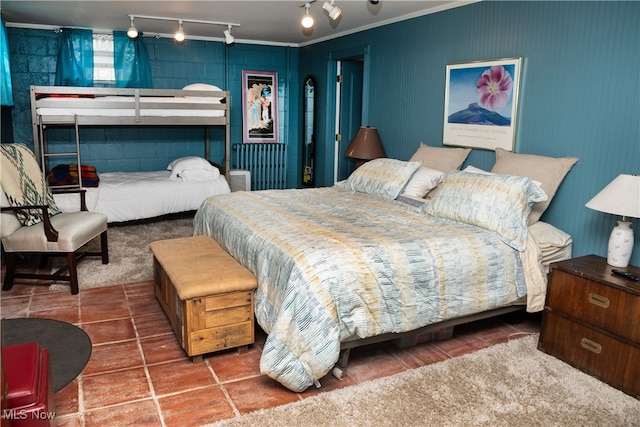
(206, 294)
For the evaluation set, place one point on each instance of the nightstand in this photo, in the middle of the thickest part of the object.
(591, 321)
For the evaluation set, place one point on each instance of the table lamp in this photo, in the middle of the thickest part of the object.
(365, 146)
(621, 197)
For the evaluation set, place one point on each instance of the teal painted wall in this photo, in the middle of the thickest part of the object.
(580, 94)
(33, 62)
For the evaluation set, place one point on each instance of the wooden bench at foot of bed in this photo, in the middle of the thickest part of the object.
(206, 294)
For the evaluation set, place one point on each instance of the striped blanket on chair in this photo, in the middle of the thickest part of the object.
(23, 182)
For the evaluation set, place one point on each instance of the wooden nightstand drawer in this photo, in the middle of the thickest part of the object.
(605, 307)
(595, 353)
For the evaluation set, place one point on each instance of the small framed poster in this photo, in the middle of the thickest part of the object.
(481, 104)
(260, 106)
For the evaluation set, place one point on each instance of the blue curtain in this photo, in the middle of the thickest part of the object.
(75, 58)
(131, 61)
(6, 93)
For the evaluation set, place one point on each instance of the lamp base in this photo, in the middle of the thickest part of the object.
(620, 245)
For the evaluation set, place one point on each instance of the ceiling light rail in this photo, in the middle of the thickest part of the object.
(179, 36)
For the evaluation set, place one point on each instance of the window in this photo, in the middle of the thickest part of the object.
(103, 69)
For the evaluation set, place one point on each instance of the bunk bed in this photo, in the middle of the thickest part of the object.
(195, 105)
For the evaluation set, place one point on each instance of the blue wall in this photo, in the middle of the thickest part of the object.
(580, 94)
(33, 62)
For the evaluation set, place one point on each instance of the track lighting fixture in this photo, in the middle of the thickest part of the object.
(333, 10)
(132, 32)
(228, 38)
(179, 35)
(307, 19)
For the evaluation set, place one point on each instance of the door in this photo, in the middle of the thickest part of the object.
(349, 115)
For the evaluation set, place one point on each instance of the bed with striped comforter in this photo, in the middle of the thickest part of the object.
(333, 264)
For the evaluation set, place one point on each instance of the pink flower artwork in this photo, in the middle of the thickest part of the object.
(494, 87)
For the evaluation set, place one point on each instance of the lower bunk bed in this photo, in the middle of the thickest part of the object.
(352, 264)
(130, 196)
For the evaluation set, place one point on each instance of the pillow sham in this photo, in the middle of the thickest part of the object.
(499, 203)
(382, 177)
(423, 181)
(440, 158)
(549, 171)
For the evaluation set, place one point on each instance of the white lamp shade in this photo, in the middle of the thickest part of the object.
(621, 197)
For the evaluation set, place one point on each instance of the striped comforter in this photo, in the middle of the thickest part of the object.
(333, 264)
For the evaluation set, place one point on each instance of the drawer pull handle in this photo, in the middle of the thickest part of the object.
(598, 300)
(592, 346)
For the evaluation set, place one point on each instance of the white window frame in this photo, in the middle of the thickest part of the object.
(103, 64)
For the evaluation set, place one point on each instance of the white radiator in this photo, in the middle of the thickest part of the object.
(267, 164)
(239, 180)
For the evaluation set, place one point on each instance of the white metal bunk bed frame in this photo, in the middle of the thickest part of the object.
(90, 99)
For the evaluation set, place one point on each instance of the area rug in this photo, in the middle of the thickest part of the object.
(130, 259)
(511, 384)
(69, 346)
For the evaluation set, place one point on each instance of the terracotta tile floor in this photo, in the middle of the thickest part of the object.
(139, 375)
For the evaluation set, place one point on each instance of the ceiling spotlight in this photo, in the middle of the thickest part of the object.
(132, 32)
(228, 38)
(333, 10)
(307, 20)
(179, 35)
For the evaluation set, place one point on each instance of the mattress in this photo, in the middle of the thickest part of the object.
(127, 196)
(123, 106)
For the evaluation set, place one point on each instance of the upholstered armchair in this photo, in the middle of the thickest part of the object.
(32, 223)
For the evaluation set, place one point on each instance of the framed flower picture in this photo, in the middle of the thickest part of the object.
(260, 106)
(481, 104)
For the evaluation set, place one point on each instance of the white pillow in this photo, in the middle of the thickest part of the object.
(199, 175)
(189, 163)
(473, 169)
(423, 181)
(204, 87)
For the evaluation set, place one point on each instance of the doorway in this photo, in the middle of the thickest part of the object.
(349, 117)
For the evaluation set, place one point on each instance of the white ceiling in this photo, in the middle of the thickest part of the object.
(273, 22)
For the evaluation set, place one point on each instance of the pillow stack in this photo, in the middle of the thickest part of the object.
(193, 168)
(500, 203)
